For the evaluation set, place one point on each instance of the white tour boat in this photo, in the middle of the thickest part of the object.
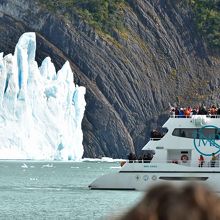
(176, 157)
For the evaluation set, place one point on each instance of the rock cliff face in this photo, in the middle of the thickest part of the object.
(158, 59)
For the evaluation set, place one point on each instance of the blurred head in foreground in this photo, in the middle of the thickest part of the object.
(167, 202)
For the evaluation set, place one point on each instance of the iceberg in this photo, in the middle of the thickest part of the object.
(40, 110)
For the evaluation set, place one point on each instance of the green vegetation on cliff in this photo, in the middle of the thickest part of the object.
(107, 15)
(207, 17)
(104, 15)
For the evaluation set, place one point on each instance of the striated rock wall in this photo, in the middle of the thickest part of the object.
(157, 59)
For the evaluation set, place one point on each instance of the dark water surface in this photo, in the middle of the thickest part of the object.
(59, 190)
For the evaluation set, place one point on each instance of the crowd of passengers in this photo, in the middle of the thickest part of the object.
(145, 158)
(189, 111)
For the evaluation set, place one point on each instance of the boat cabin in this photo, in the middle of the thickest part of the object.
(186, 139)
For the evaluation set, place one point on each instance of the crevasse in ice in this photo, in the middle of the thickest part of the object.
(40, 110)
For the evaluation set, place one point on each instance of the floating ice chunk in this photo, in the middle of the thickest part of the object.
(119, 167)
(24, 166)
(103, 159)
(47, 166)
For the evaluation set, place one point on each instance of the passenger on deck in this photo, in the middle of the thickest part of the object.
(140, 159)
(213, 160)
(213, 111)
(152, 133)
(202, 110)
(155, 134)
(181, 113)
(195, 111)
(177, 112)
(187, 112)
(201, 161)
(132, 157)
(172, 112)
(147, 157)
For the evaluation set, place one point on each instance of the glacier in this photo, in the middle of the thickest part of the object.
(41, 110)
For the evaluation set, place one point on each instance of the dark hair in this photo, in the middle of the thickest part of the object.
(167, 202)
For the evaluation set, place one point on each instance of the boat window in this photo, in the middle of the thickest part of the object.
(196, 133)
(184, 152)
(183, 178)
(209, 133)
(185, 132)
(164, 130)
(159, 147)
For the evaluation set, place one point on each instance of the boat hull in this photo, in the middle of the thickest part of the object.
(141, 176)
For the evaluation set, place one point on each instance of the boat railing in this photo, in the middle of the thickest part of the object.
(155, 139)
(191, 116)
(195, 163)
(188, 163)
